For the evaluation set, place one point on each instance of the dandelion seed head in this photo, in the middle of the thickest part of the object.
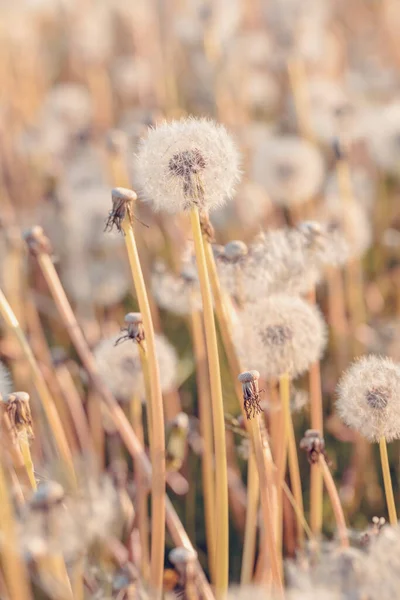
(235, 250)
(368, 398)
(384, 137)
(178, 294)
(290, 169)
(186, 163)
(350, 220)
(68, 104)
(121, 368)
(324, 245)
(280, 334)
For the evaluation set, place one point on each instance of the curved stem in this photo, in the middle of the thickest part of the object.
(221, 475)
(387, 482)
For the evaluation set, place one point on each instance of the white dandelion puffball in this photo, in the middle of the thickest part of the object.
(280, 334)
(178, 294)
(369, 398)
(290, 169)
(384, 137)
(186, 163)
(5, 381)
(121, 368)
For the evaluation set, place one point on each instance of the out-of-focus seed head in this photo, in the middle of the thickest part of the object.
(369, 398)
(384, 137)
(178, 294)
(186, 163)
(235, 250)
(121, 369)
(350, 220)
(47, 495)
(37, 241)
(280, 334)
(324, 246)
(290, 169)
(313, 444)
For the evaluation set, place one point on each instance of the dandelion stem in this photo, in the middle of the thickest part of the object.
(266, 490)
(387, 482)
(290, 440)
(41, 387)
(157, 449)
(221, 475)
(141, 488)
(207, 460)
(250, 532)
(13, 566)
(317, 423)
(335, 501)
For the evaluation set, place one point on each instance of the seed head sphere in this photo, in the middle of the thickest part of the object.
(187, 163)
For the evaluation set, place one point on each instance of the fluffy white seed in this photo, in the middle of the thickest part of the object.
(191, 162)
(369, 398)
(280, 334)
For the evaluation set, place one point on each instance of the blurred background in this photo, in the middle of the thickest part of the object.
(310, 90)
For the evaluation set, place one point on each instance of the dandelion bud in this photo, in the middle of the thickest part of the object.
(251, 393)
(368, 398)
(313, 444)
(19, 412)
(122, 204)
(37, 241)
(187, 163)
(281, 334)
(47, 495)
(134, 329)
(182, 556)
(235, 250)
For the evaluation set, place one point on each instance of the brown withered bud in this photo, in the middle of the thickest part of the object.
(133, 329)
(251, 393)
(314, 444)
(37, 241)
(19, 412)
(122, 205)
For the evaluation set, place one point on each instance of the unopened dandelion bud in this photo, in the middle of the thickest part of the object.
(368, 398)
(185, 164)
(251, 393)
(19, 412)
(235, 250)
(37, 241)
(313, 444)
(122, 205)
(47, 496)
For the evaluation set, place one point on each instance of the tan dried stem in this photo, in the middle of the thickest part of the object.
(117, 415)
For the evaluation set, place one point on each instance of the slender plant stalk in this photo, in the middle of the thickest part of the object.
(250, 532)
(11, 445)
(157, 448)
(335, 501)
(13, 567)
(117, 415)
(387, 482)
(290, 440)
(266, 478)
(95, 422)
(41, 387)
(317, 423)
(297, 77)
(141, 490)
(26, 453)
(207, 457)
(221, 475)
